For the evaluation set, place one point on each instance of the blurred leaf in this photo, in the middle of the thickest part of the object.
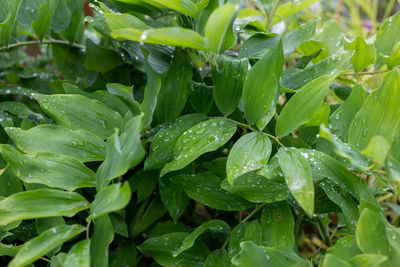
(44, 243)
(387, 37)
(101, 59)
(205, 188)
(173, 198)
(367, 260)
(201, 98)
(287, 9)
(78, 255)
(8, 19)
(40, 203)
(204, 137)
(228, 77)
(53, 170)
(293, 39)
(101, 238)
(261, 84)
(301, 107)
(365, 54)
(394, 59)
(258, 45)
(277, 225)
(251, 152)
(217, 258)
(111, 198)
(377, 149)
(332, 261)
(144, 183)
(46, 13)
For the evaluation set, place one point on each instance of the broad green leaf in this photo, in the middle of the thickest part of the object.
(46, 13)
(101, 238)
(117, 21)
(321, 116)
(218, 31)
(287, 9)
(298, 78)
(123, 152)
(256, 188)
(294, 38)
(204, 137)
(40, 203)
(347, 151)
(78, 112)
(205, 188)
(376, 241)
(394, 59)
(143, 182)
(7, 24)
(367, 260)
(82, 145)
(342, 117)
(161, 247)
(377, 149)
(298, 177)
(78, 255)
(301, 107)
(277, 225)
(392, 167)
(44, 243)
(174, 91)
(261, 84)
(253, 255)
(154, 211)
(365, 54)
(311, 47)
(51, 169)
(249, 231)
(124, 255)
(125, 93)
(344, 200)
(217, 258)
(215, 226)
(379, 115)
(251, 152)
(345, 248)
(9, 183)
(228, 78)
(186, 7)
(162, 146)
(173, 36)
(111, 198)
(201, 97)
(173, 198)
(43, 224)
(150, 95)
(74, 32)
(258, 45)
(101, 59)
(387, 37)
(333, 261)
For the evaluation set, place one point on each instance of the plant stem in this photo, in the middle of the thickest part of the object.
(271, 15)
(255, 130)
(253, 212)
(226, 242)
(87, 229)
(51, 41)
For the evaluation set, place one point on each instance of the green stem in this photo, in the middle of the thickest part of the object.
(226, 242)
(51, 41)
(253, 212)
(271, 15)
(87, 229)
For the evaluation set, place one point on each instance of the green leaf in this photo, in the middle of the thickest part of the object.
(125, 93)
(161, 247)
(261, 84)
(110, 199)
(367, 260)
(82, 145)
(394, 59)
(377, 149)
(216, 226)
(228, 78)
(44, 243)
(9, 183)
(117, 21)
(249, 231)
(123, 152)
(186, 7)
(46, 13)
(217, 258)
(7, 25)
(124, 255)
(342, 117)
(144, 183)
(218, 31)
(150, 95)
(173, 198)
(258, 45)
(376, 241)
(301, 107)
(297, 78)
(387, 37)
(287, 9)
(40, 203)
(251, 152)
(379, 115)
(277, 225)
(294, 38)
(101, 238)
(162, 146)
(202, 138)
(345, 248)
(173, 36)
(253, 255)
(174, 91)
(51, 169)
(201, 97)
(78, 255)
(101, 59)
(311, 47)
(256, 188)
(78, 112)
(347, 151)
(298, 177)
(205, 188)
(392, 167)
(365, 54)
(333, 261)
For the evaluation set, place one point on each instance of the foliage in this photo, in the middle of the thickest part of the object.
(199, 133)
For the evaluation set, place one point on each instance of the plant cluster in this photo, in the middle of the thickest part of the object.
(199, 133)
